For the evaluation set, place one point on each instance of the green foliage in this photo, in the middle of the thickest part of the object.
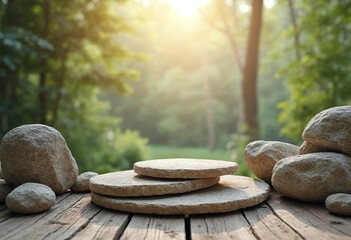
(321, 77)
(56, 59)
(130, 148)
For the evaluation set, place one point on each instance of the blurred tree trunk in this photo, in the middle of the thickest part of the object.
(8, 83)
(42, 94)
(249, 84)
(249, 69)
(60, 81)
(210, 120)
(296, 31)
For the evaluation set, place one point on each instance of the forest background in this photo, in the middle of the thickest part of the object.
(125, 81)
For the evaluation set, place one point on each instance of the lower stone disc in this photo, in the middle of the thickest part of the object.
(231, 193)
(129, 184)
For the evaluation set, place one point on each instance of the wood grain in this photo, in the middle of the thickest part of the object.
(308, 225)
(106, 224)
(266, 225)
(155, 227)
(224, 226)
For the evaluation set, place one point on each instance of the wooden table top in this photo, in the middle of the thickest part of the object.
(75, 217)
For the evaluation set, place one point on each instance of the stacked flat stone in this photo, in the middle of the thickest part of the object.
(37, 164)
(177, 186)
(321, 170)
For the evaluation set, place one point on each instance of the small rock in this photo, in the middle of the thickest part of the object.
(4, 190)
(30, 198)
(82, 183)
(339, 203)
(263, 155)
(330, 130)
(313, 176)
(37, 153)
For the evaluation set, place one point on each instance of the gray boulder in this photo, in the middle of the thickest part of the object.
(339, 203)
(314, 176)
(82, 183)
(30, 198)
(37, 153)
(5, 189)
(329, 130)
(261, 156)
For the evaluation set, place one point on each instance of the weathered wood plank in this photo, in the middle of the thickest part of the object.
(341, 223)
(266, 225)
(105, 225)
(308, 225)
(155, 227)
(17, 226)
(69, 222)
(221, 226)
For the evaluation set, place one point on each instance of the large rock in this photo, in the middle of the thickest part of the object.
(30, 198)
(330, 130)
(5, 189)
(339, 203)
(82, 183)
(314, 176)
(263, 155)
(1, 176)
(37, 153)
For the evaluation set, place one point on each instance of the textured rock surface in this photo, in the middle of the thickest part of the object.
(307, 147)
(339, 203)
(184, 168)
(331, 130)
(82, 183)
(1, 176)
(128, 184)
(4, 190)
(263, 155)
(37, 153)
(231, 193)
(314, 176)
(30, 198)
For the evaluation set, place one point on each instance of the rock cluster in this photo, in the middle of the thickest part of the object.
(37, 163)
(321, 168)
(168, 186)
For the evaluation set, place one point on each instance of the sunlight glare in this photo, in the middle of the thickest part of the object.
(187, 8)
(269, 3)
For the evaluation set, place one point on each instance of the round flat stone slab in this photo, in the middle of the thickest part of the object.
(184, 168)
(129, 184)
(231, 193)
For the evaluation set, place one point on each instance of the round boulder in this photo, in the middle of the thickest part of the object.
(82, 183)
(329, 130)
(30, 198)
(339, 203)
(37, 153)
(4, 190)
(314, 176)
(263, 155)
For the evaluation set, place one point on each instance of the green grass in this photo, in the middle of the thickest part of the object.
(161, 151)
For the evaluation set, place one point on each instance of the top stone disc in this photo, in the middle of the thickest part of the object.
(184, 168)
